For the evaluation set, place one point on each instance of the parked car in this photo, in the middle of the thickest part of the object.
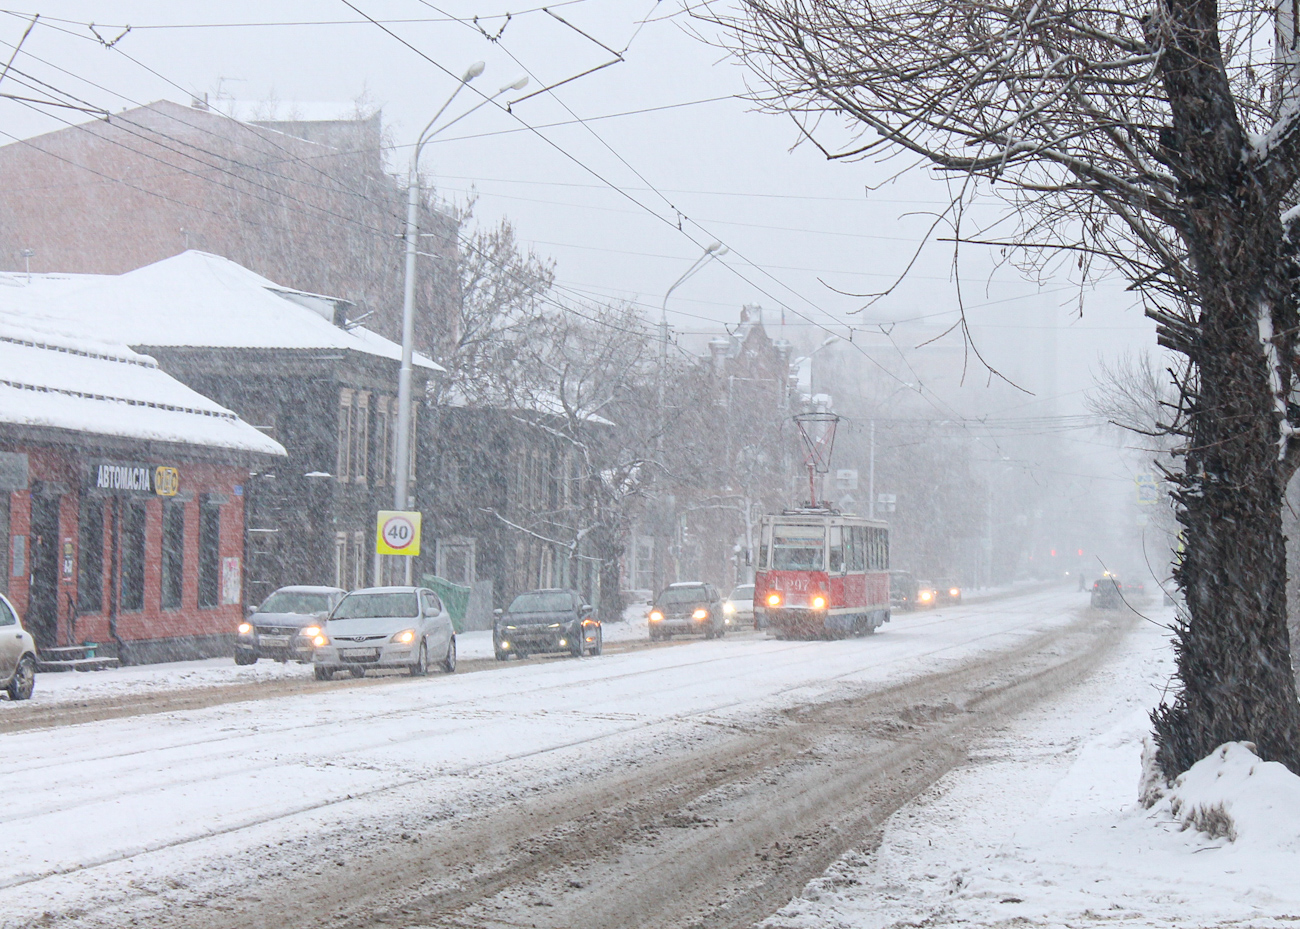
(17, 654)
(552, 620)
(275, 629)
(739, 606)
(1106, 593)
(947, 591)
(687, 607)
(927, 594)
(902, 590)
(385, 627)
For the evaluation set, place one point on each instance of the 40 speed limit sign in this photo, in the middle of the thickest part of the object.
(397, 533)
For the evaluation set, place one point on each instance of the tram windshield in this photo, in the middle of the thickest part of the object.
(798, 548)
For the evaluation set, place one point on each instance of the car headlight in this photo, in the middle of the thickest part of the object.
(311, 632)
(925, 595)
(504, 645)
(954, 592)
(773, 599)
(245, 628)
(819, 602)
(405, 637)
(656, 616)
(728, 607)
(320, 640)
(701, 613)
(557, 625)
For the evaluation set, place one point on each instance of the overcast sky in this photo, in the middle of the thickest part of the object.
(667, 160)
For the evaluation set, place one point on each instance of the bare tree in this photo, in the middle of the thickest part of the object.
(1161, 140)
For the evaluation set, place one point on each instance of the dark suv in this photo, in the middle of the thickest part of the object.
(274, 629)
(554, 620)
(1107, 593)
(902, 590)
(690, 607)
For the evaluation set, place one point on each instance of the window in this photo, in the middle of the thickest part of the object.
(343, 467)
(209, 551)
(358, 559)
(341, 560)
(384, 434)
(837, 561)
(133, 555)
(90, 556)
(429, 601)
(7, 618)
(173, 555)
(799, 548)
(360, 437)
(858, 558)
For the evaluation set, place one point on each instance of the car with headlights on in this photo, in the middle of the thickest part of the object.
(947, 591)
(927, 594)
(552, 620)
(903, 590)
(385, 627)
(738, 608)
(276, 628)
(689, 607)
(17, 654)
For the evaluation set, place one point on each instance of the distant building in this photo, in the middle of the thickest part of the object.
(122, 494)
(289, 363)
(303, 201)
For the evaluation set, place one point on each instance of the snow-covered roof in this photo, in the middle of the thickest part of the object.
(198, 300)
(546, 403)
(53, 380)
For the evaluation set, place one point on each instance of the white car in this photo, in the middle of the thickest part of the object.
(17, 654)
(384, 627)
(739, 605)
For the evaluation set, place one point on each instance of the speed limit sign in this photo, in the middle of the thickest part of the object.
(397, 532)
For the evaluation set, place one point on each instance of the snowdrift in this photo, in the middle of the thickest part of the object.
(1232, 794)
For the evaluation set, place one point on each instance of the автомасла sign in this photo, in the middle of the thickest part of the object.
(117, 477)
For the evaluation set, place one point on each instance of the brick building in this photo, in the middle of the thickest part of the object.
(304, 202)
(121, 495)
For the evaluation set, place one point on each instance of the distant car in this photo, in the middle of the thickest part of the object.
(690, 607)
(275, 629)
(739, 606)
(927, 594)
(1106, 593)
(902, 590)
(554, 620)
(17, 654)
(947, 591)
(385, 627)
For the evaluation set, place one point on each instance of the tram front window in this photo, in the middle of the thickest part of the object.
(799, 548)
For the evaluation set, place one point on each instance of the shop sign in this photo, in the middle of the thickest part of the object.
(117, 477)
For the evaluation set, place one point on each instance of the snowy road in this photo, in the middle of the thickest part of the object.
(709, 772)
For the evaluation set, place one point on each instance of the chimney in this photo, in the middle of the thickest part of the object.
(718, 348)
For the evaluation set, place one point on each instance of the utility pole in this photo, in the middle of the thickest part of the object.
(871, 475)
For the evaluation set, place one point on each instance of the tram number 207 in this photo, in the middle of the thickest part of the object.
(822, 575)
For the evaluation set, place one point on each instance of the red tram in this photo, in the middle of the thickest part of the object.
(822, 574)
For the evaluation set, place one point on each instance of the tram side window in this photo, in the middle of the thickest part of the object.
(884, 550)
(858, 549)
(836, 559)
(873, 549)
(799, 548)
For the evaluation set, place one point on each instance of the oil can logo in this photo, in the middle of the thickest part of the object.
(166, 481)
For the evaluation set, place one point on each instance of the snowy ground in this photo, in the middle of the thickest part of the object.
(1043, 828)
(143, 810)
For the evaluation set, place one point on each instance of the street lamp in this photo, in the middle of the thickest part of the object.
(402, 466)
(711, 251)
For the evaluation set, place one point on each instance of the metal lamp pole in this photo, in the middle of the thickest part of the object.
(713, 250)
(402, 466)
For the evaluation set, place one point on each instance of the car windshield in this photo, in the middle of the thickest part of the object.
(294, 601)
(744, 592)
(552, 601)
(675, 595)
(375, 606)
(799, 548)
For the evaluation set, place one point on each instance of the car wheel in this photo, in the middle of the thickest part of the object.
(421, 666)
(24, 679)
(323, 673)
(710, 633)
(449, 663)
(655, 637)
(501, 656)
(598, 646)
(243, 657)
(578, 643)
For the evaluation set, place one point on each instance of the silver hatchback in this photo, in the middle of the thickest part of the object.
(17, 654)
(384, 627)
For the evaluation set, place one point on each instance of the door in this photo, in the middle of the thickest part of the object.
(43, 605)
(438, 622)
(11, 640)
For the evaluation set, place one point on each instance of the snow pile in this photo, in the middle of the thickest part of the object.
(1232, 794)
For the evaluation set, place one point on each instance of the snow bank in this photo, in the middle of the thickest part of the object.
(1232, 794)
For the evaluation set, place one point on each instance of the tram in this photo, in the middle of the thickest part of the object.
(822, 574)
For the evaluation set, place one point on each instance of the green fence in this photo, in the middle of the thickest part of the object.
(453, 596)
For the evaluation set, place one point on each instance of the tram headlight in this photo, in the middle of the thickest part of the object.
(819, 602)
(774, 599)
